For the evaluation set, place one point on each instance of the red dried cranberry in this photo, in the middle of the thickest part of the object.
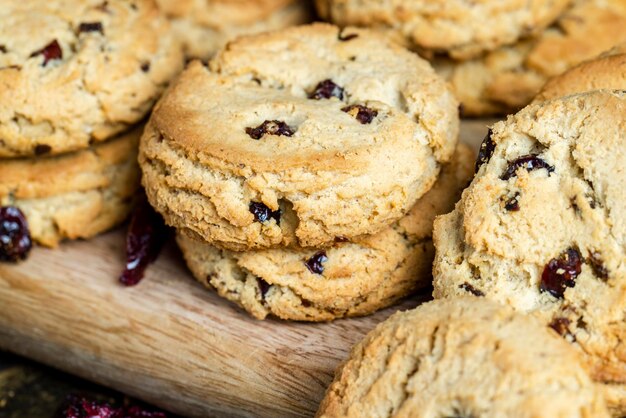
(345, 38)
(362, 113)
(262, 213)
(315, 264)
(41, 149)
(80, 407)
(91, 27)
(512, 204)
(264, 287)
(471, 289)
(271, 127)
(15, 242)
(597, 265)
(561, 272)
(146, 235)
(486, 151)
(327, 89)
(50, 52)
(528, 162)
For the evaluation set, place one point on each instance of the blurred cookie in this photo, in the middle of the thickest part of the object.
(75, 195)
(204, 26)
(74, 72)
(462, 358)
(346, 279)
(336, 136)
(507, 79)
(542, 226)
(463, 29)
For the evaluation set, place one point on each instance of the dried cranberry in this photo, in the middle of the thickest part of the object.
(262, 213)
(528, 162)
(145, 67)
(50, 52)
(597, 265)
(91, 27)
(41, 149)
(561, 272)
(486, 151)
(3, 49)
(362, 113)
(512, 204)
(315, 264)
(80, 407)
(264, 287)
(271, 127)
(471, 289)
(146, 235)
(345, 38)
(327, 89)
(15, 242)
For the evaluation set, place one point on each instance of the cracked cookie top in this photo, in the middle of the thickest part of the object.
(76, 72)
(460, 28)
(462, 358)
(340, 131)
(542, 227)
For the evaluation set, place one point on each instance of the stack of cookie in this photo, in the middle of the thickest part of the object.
(76, 76)
(303, 169)
(497, 53)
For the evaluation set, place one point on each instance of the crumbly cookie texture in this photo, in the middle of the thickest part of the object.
(347, 279)
(507, 79)
(75, 195)
(462, 358)
(204, 26)
(542, 227)
(74, 72)
(460, 28)
(608, 71)
(298, 138)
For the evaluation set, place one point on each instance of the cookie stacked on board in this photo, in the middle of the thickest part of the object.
(497, 54)
(303, 168)
(76, 77)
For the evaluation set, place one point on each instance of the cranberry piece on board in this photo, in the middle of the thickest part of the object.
(15, 241)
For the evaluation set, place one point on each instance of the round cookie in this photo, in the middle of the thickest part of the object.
(508, 78)
(75, 195)
(463, 29)
(608, 71)
(347, 279)
(74, 72)
(542, 226)
(204, 26)
(462, 358)
(336, 136)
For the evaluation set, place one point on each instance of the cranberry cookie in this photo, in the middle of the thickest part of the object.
(74, 72)
(507, 79)
(346, 279)
(297, 138)
(75, 195)
(542, 227)
(461, 28)
(462, 358)
(204, 26)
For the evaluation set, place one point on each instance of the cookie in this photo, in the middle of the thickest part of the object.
(607, 71)
(460, 28)
(204, 26)
(336, 136)
(75, 72)
(462, 358)
(347, 279)
(75, 195)
(507, 79)
(542, 226)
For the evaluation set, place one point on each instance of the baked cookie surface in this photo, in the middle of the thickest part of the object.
(296, 138)
(465, 357)
(75, 195)
(461, 28)
(204, 26)
(346, 279)
(74, 72)
(542, 227)
(505, 80)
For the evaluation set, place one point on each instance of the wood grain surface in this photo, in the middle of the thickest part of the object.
(169, 341)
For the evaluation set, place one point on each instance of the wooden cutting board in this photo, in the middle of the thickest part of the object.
(168, 340)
